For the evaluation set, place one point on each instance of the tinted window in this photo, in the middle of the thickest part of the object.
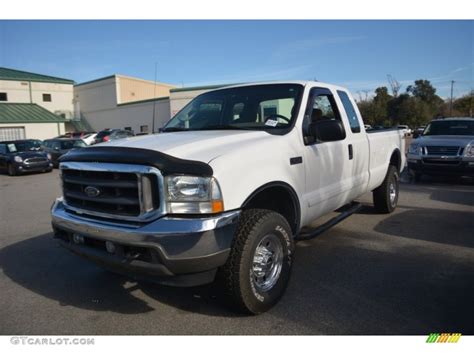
(321, 107)
(72, 144)
(3, 148)
(350, 111)
(102, 134)
(450, 128)
(23, 146)
(248, 107)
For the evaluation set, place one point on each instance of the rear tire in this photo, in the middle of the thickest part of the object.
(11, 170)
(386, 195)
(258, 269)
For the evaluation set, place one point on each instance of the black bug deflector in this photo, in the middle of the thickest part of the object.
(167, 164)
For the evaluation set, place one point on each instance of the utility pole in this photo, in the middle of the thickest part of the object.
(154, 101)
(451, 105)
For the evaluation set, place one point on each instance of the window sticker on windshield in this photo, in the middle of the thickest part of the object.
(12, 148)
(271, 123)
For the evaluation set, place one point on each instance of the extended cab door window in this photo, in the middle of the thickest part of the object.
(321, 108)
(350, 111)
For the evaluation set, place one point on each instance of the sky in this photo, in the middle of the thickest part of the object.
(355, 54)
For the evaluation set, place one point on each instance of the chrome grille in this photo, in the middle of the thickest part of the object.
(442, 150)
(36, 160)
(112, 190)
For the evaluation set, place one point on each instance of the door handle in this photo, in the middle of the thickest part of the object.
(351, 153)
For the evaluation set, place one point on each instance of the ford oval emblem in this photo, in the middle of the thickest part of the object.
(92, 191)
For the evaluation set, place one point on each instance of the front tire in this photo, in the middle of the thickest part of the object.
(11, 170)
(386, 195)
(258, 269)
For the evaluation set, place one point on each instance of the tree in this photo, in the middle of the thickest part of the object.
(380, 105)
(409, 110)
(464, 106)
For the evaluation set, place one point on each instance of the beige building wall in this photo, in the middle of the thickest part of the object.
(133, 89)
(61, 95)
(38, 130)
(95, 96)
(133, 115)
(180, 98)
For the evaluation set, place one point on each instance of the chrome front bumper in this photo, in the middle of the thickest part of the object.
(164, 248)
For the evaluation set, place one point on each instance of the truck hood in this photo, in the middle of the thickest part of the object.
(195, 145)
(458, 141)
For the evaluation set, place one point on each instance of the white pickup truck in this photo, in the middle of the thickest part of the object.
(224, 190)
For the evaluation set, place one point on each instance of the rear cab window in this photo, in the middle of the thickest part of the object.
(350, 111)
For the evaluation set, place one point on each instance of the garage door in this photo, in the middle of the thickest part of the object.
(12, 133)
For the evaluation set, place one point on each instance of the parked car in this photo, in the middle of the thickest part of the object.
(227, 188)
(21, 156)
(112, 134)
(446, 147)
(56, 147)
(89, 139)
(80, 134)
(419, 131)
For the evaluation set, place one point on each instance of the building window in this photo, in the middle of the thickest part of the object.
(46, 97)
(144, 129)
(3, 96)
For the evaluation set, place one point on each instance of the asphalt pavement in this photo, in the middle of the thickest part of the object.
(410, 272)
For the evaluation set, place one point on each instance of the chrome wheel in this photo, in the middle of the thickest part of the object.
(267, 263)
(392, 189)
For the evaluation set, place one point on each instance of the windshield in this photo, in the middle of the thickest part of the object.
(249, 107)
(24, 146)
(450, 128)
(73, 144)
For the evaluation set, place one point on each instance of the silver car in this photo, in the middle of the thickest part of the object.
(446, 147)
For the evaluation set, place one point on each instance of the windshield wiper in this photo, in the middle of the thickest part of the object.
(220, 127)
(175, 129)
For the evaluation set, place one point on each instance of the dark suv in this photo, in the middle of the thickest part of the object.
(59, 146)
(112, 134)
(23, 156)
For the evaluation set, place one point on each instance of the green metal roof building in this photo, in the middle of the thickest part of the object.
(19, 75)
(27, 113)
(34, 105)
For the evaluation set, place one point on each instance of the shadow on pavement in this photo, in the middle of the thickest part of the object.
(345, 282)
(431, 225)
(42, 266)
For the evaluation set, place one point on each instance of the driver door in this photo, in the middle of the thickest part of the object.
(328, 168)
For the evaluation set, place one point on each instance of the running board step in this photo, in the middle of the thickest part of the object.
(345, 212)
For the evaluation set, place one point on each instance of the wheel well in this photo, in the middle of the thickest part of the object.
(278, 197)
(396, 159)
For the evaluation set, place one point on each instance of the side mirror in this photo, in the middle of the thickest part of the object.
(327, 130)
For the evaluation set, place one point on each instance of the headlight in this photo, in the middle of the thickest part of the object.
(414, 149)
(49, 156)
(193, 194)
(18, 159)
(469, 151)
